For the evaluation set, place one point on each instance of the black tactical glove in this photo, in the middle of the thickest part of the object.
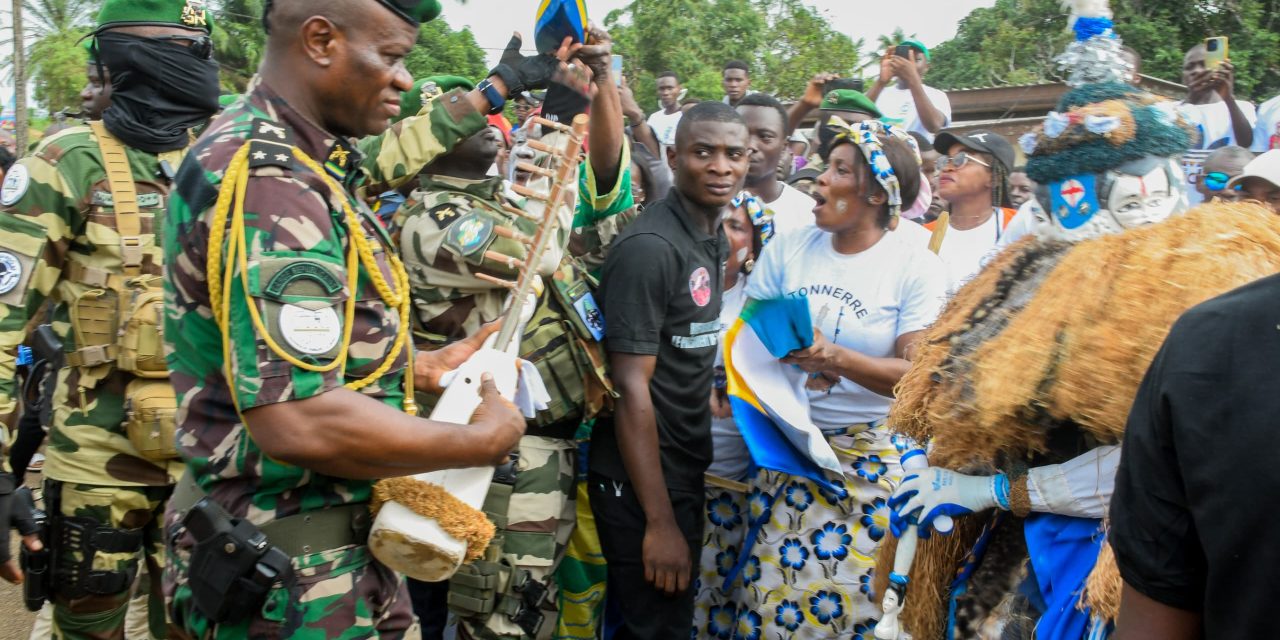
(567, 97)
(525, 73)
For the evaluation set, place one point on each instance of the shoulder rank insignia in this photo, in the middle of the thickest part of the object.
(270, 145)
(469, 235)
(444, 214)
(340, 159)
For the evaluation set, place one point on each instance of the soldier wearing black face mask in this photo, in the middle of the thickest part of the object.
(77, 228)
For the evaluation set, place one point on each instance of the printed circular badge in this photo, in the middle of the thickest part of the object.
(310, 332)
(10, 272)
(15, 185)
(700, 286)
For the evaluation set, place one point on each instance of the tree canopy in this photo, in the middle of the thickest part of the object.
(56, 61)
(784, 42)
(1015, 41)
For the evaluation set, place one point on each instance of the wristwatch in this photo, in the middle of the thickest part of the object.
(496, 102)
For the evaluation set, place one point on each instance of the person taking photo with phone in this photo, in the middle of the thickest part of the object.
(901, 94)
(1211, 107)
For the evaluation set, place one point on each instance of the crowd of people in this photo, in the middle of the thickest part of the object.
(224, 319)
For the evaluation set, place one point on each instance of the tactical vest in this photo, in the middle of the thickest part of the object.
(562, 340)
(119, 324)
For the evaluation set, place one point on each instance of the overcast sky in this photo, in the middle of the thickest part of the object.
(934, 21)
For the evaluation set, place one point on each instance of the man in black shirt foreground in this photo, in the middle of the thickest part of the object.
(660, 294)
(1198, 487)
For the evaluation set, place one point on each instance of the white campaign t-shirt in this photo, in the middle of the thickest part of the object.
(863, 302)
(1213, 121)
(1266, 135)
(730, 457)
(965, 253)
(664, 127)
(898, 108)
(792, 211)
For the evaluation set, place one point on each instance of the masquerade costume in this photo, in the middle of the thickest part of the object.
(1023, 385)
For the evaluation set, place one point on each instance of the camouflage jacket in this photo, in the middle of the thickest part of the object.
(297, 242)
(57, 233)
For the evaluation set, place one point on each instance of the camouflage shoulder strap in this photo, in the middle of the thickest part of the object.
(125, 195)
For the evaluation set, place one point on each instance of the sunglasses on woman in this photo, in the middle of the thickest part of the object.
(1217, 181)
(958, 161)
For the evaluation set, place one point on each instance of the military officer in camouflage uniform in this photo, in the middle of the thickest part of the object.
(458, 227)
(78, 229)
(285, 326)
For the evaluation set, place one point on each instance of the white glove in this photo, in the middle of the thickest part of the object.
(925, 496)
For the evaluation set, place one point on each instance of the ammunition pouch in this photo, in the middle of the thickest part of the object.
(121, 324)
(151, 408)
(140, 346)
(233, 567)
(88, 537)
(486, 587)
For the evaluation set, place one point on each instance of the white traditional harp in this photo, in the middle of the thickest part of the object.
(404, 539)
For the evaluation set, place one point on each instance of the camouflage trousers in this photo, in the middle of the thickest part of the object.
(540, 519)
(339, 594)
(133, 509)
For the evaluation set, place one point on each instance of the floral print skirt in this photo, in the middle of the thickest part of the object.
(808, 573)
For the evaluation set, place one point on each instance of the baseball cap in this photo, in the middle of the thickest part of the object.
(978, 140)
(1265, 166)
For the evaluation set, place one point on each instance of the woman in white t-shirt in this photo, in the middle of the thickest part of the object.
(871, 294)
(973, 177)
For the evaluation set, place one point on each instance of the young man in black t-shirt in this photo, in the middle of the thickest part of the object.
(1198, 489)
(660, 294)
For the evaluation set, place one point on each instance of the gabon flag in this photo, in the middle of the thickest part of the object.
(769, 399)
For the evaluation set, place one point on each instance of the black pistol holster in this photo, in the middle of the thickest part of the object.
(233, 565)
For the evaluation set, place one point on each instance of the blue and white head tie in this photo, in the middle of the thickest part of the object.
(866, 136)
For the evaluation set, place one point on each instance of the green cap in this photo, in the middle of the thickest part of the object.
(188, 14)
(849, 100)
(426, 90)
(918, 46)
(415, 12)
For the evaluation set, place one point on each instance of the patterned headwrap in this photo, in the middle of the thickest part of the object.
(761, 216)
(865, 135)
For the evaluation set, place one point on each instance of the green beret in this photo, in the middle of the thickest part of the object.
(415, 12)
(918, 46)
(849, 100)
(428, 89)
(188, 14)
